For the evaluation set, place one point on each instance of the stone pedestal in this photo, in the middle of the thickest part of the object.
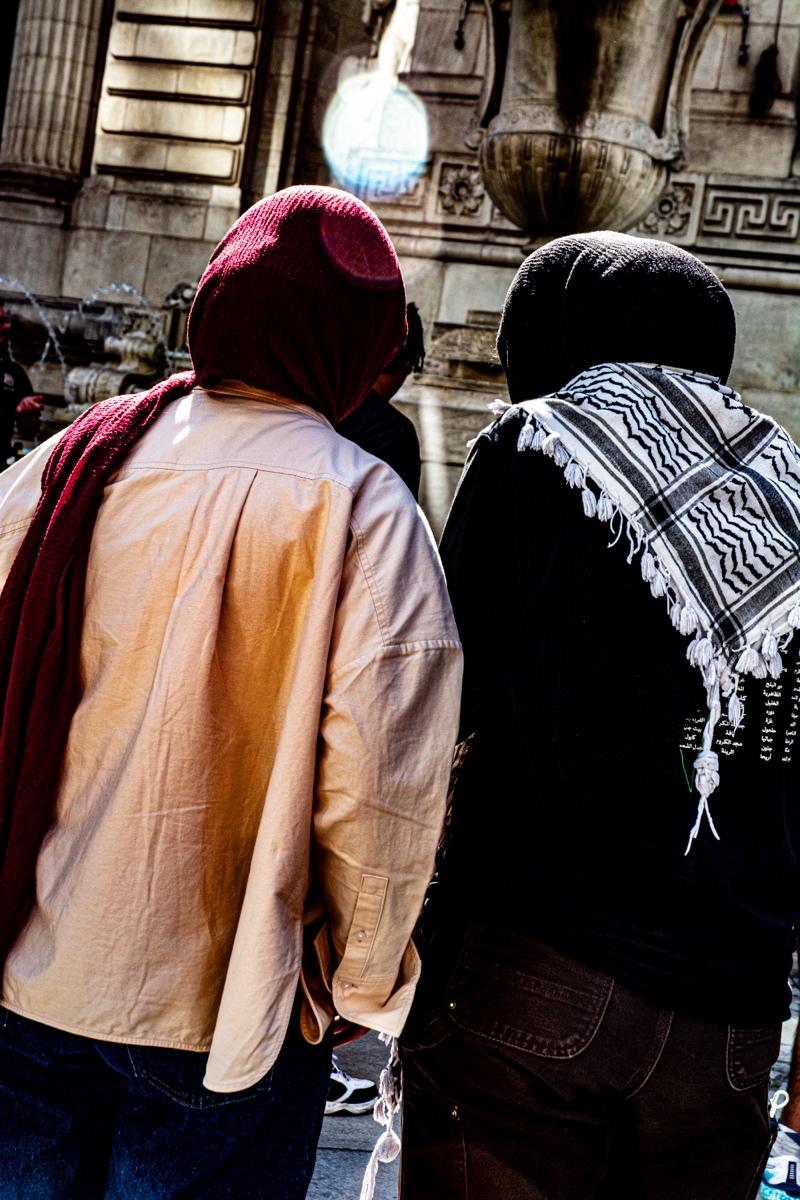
(593, 112)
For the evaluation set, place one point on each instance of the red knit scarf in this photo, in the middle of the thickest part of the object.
(302, 298)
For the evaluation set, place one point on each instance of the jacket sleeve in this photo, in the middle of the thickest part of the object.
(478, 562)
(387, 734)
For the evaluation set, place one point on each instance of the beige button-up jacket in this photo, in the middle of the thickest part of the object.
(255, 776)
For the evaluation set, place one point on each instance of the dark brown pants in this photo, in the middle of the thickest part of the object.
(528, 1076)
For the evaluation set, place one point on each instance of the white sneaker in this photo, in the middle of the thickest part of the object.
(348, 1095)
(782, 1174)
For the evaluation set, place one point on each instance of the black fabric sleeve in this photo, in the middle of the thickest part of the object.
(472, 556)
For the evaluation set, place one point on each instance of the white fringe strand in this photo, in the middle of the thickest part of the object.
(387, 1147)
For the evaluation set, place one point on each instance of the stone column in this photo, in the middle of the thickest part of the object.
(50, 94)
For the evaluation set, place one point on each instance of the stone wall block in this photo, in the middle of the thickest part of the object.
(218, 221)
(31, 253)
(244, 52)
(235, 10)
(171, 220)
(202, 122)
(176, 9)
(709, 64)
(203, 160)
(131, 154)
(736, 78)
(171, 259)
(115, 215)
(197, 44)
(741, 146)
(99, 256)
(123, 40)
(768, 11)
(129, 76)
(434, 48)
(177, 80)
(91, 204)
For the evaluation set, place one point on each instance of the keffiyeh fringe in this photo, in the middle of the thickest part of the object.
(387, 1105)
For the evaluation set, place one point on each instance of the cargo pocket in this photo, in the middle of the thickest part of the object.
(526, 996)
(750, 1055)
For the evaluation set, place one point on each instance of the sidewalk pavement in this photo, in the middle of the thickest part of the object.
(346, 1142)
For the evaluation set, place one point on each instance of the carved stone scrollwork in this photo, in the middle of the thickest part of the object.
(672, 213)
(461, 192)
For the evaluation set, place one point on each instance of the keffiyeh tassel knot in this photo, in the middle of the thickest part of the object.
(605, 507)
(735, 711)
(554, 448)
(706, 772)
(525, 439)
(659, 583)
(748, 661)
(574, 474)
(683, 617)
(794, 616)
(706, 778)
(589, 502)
(700, 652)
(532, 436)
(706, 765)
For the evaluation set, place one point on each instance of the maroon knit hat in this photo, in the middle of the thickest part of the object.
(302, 297)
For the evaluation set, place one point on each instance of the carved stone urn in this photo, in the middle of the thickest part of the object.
(594, 110)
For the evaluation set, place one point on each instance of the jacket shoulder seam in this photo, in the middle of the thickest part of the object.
(221, 464)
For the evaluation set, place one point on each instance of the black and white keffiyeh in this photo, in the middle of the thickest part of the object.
(708, 493)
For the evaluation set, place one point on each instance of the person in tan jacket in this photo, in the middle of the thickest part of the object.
(237, 623)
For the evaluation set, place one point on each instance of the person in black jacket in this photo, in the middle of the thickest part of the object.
(18, 405)
(607, 945)
(381, 429)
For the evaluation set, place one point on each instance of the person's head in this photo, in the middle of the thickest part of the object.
(410, 358)
(304, 298)
(607, 297)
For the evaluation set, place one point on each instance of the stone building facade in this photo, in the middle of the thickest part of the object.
(135, 131)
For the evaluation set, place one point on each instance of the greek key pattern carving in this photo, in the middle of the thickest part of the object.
(735, 213)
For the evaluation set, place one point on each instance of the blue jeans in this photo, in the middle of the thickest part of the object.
(85, 1120)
